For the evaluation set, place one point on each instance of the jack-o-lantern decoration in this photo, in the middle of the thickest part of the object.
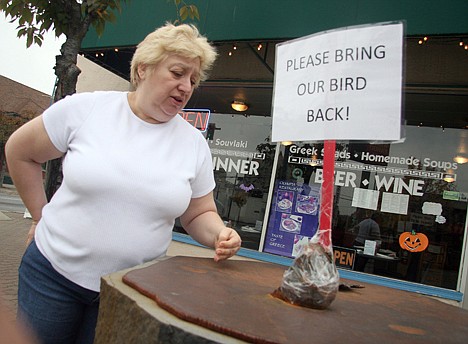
(413, 242)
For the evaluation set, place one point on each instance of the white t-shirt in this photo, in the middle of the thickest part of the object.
(124, 183)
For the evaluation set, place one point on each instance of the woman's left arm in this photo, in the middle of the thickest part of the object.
(202, 222)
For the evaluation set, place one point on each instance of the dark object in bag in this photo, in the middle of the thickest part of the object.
(312, 281)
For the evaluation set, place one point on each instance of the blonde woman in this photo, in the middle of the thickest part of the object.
(132, 166)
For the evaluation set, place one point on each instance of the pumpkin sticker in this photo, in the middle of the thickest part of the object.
(413, 242)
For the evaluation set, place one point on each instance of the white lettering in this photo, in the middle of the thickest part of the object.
(383, 182)
(342, 178)
(231, 143)
(410, 161)
(445, 165)
(303, 150)
(413, 186)
(239, 166)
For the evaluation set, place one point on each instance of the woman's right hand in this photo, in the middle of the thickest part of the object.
(31, 232)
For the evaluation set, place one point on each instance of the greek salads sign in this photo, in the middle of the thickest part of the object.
(344, 84)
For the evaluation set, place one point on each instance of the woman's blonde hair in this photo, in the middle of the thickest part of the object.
(183, 40)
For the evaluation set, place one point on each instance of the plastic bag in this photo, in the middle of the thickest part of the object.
(312, 280)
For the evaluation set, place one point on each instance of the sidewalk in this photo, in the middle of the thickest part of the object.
(13, 232)
(8, 189)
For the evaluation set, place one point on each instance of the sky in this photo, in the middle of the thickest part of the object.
(31, 66)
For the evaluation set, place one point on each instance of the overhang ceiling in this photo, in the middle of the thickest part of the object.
(229, 20)
(436, 80)
(436, 87)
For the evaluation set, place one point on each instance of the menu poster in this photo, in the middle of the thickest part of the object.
(294, 217)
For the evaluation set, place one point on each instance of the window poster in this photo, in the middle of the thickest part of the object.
(293, 218)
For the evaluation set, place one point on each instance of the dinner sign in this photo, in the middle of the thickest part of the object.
(344, 84)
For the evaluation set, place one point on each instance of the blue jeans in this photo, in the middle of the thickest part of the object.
(56, 309)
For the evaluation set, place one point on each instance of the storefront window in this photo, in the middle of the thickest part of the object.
(399, 209)
(242, 162)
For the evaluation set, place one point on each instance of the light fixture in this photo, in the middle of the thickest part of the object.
(460, 159)
(462, 156)
(286, 143)
(239, 106)
(449, 177)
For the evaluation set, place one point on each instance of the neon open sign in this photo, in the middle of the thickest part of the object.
(197, 117)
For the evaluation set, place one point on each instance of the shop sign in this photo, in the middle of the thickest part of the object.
(344, 84)
(451, 195)
(344, 257)
(199, 118)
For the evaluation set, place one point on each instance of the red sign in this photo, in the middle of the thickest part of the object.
(197, 117)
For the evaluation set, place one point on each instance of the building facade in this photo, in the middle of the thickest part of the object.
(270, 192)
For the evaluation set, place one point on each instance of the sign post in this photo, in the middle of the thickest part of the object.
(344, 84)
(326, 203)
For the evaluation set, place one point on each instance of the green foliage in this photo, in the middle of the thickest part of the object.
(35, 17)
(185, 11)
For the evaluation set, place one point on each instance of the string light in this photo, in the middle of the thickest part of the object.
(460, 41)
(230, 53)
(423, 40)
(259, 46)
(116, 50)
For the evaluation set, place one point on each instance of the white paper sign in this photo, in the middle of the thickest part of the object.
(394, 203)
(344, 84)
(367, 199)
(369, 247)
